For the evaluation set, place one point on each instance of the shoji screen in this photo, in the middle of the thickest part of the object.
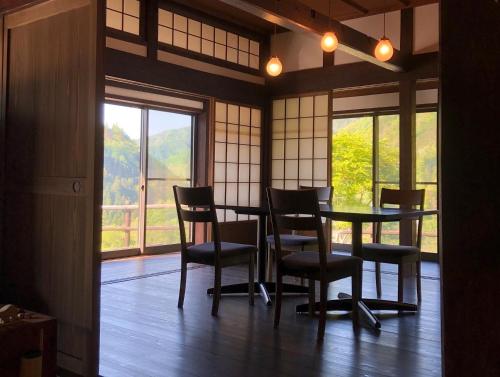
(300, 142)
(236, 157)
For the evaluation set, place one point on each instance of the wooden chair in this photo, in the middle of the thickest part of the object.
(201, 209)
(294, 242)
(397, 254)
(298, 210)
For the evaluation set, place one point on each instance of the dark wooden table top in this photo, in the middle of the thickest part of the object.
(350, 214)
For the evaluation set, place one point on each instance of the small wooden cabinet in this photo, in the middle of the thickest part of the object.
(38, 333)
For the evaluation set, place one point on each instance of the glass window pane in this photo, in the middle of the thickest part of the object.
(169, 163)
(388, 148)
(120, 210)
(426, 147)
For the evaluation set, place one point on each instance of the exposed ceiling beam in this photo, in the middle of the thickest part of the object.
(295, 16)
(355, 5)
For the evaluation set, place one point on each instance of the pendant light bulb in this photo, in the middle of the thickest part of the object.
(274, 66)
(384, 49)
(329, 42)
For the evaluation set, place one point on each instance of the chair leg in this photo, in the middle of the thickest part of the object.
(251, 278)
(269, 264)
(217, 289)
(357, 283)
(419, 281)
(312, 296)
(278, 297)
(182, 289)
(378, 281)
(323, 295)
(400, 282)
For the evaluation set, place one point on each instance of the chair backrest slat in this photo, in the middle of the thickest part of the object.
(325, 194)
(405, 199)
(200, 209)
(296, 210)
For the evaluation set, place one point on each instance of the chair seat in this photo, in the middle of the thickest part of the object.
(293, 240)
(307, 262)
(205, 252)
(383, 252)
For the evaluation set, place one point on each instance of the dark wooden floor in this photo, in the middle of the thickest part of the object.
(144, 334)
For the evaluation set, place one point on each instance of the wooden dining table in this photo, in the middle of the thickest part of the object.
(357, 217)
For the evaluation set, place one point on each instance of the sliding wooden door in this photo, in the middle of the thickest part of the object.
(53, 170)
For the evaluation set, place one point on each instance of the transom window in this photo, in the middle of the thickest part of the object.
(123, 15)
(187, 33)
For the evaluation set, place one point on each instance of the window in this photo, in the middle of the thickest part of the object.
(300, 142)
(146, 152)
(365, 158)
(123, 15)
(237, 158)
(199, 37)
(426, 174)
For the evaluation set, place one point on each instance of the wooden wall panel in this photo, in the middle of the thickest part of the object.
(470, 156)
(49, 254)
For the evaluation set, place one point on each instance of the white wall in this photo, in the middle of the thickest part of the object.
(297, 51)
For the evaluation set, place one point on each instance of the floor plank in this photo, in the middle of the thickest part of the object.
(144, 334)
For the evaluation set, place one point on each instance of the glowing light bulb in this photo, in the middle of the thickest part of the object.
(384, 50)
(329, 42)
(274, 66)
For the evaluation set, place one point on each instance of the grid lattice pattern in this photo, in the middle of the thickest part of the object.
(300, 142)
(237, 169)
(123, 15)
(186, 33)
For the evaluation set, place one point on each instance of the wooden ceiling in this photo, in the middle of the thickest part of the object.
(341, 10)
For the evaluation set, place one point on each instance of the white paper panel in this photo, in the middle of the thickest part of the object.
(232, 55)
(306, 148)
(292, 148)
(292, 107)
(194, 27)
(291, 185)
(194, 43)
(164, 35)
(254, 194)
(292, 128)
(277, 184)
(132, 7)
(207, 32)
(321, 105)
(219, 193)
(243, 44)
(278, 129)
(232, 40)
(207, 47)
(243, 58)
(279, 109)
(114, 4)
(165, 18)
(253, 62)
(306, 106)
(244, 135)
(254, 48)
(244, 154)
(219, 172)
(371, 101)
(306, 127)
(180, 23)
(232, 152)
(220, 112)
(320, 184)
(220, 214)
(232, 194)
(321, 127)
(255, 136)
(180, 39)
(291, 169)
(233, 114)
(278, 148)
(254, 173)
(256, 114)
(220, 152)
(305, 169)
(320, 148)
(220, 36)
(278, 167)
(244, 115)
(230, 215)
(243, 194)
(220, 51)
(255, 154)
(306, 183)
(320, 169)
(131, 25)
(220, 132)
(244, 173)
(232, 172)
(232, 133)
(113, 19)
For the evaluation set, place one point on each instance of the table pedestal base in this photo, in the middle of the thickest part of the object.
(344, 303)
(265, 289)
